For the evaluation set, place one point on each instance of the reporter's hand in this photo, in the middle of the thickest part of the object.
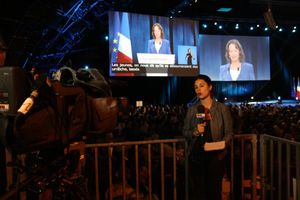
(199, 129)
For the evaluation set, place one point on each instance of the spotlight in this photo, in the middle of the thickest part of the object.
(279, 97)
(252, 97)
(236, 27)
(86, 67)
(220, 27)
(106, 37)
(251, 28)
(280, 30)
(294, 31)
(257, 25)
(204, 25)
(266, 29)
(297, 98)
(225, 98)
(216, 23)
(295, 27)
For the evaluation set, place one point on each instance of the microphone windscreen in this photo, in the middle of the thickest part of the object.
(200, 115)
(200, 109)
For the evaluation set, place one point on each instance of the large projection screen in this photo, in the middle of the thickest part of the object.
(134, 52)
(213, 62)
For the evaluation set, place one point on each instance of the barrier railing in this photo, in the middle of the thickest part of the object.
(146, 156)
(160, 170)
(240, 142)
(243, 167)
(280, 168)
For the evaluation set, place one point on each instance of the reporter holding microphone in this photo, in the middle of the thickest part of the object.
(208, 129)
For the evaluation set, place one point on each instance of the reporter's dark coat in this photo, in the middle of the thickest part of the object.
(220, 124)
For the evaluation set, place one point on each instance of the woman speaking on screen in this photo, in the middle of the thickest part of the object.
(236, 69)
(158, 44)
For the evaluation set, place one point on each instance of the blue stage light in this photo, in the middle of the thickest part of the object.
(224, 9)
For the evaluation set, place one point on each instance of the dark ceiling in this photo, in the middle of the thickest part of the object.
(34, 28)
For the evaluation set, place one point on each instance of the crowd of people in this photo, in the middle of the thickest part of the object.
(166, 121)
(272, 119)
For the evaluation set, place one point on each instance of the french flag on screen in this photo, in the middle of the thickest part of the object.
(124, 49)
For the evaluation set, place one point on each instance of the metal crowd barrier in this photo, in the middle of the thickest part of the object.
(96, 149)
(246, 187)
(271, 173)
(280, 168)
(243, 167)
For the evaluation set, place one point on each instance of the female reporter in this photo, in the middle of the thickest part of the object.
(207, 121)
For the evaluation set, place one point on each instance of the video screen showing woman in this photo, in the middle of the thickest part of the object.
(236, 68)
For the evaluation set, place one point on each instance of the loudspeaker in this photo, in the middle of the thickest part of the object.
(268, 16)
(14, 88)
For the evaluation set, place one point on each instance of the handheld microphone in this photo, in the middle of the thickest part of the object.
(200, 115)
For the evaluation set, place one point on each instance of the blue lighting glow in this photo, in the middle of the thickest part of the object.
(220, 27)
(204, 25)
(224, 9)
(86, 67)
